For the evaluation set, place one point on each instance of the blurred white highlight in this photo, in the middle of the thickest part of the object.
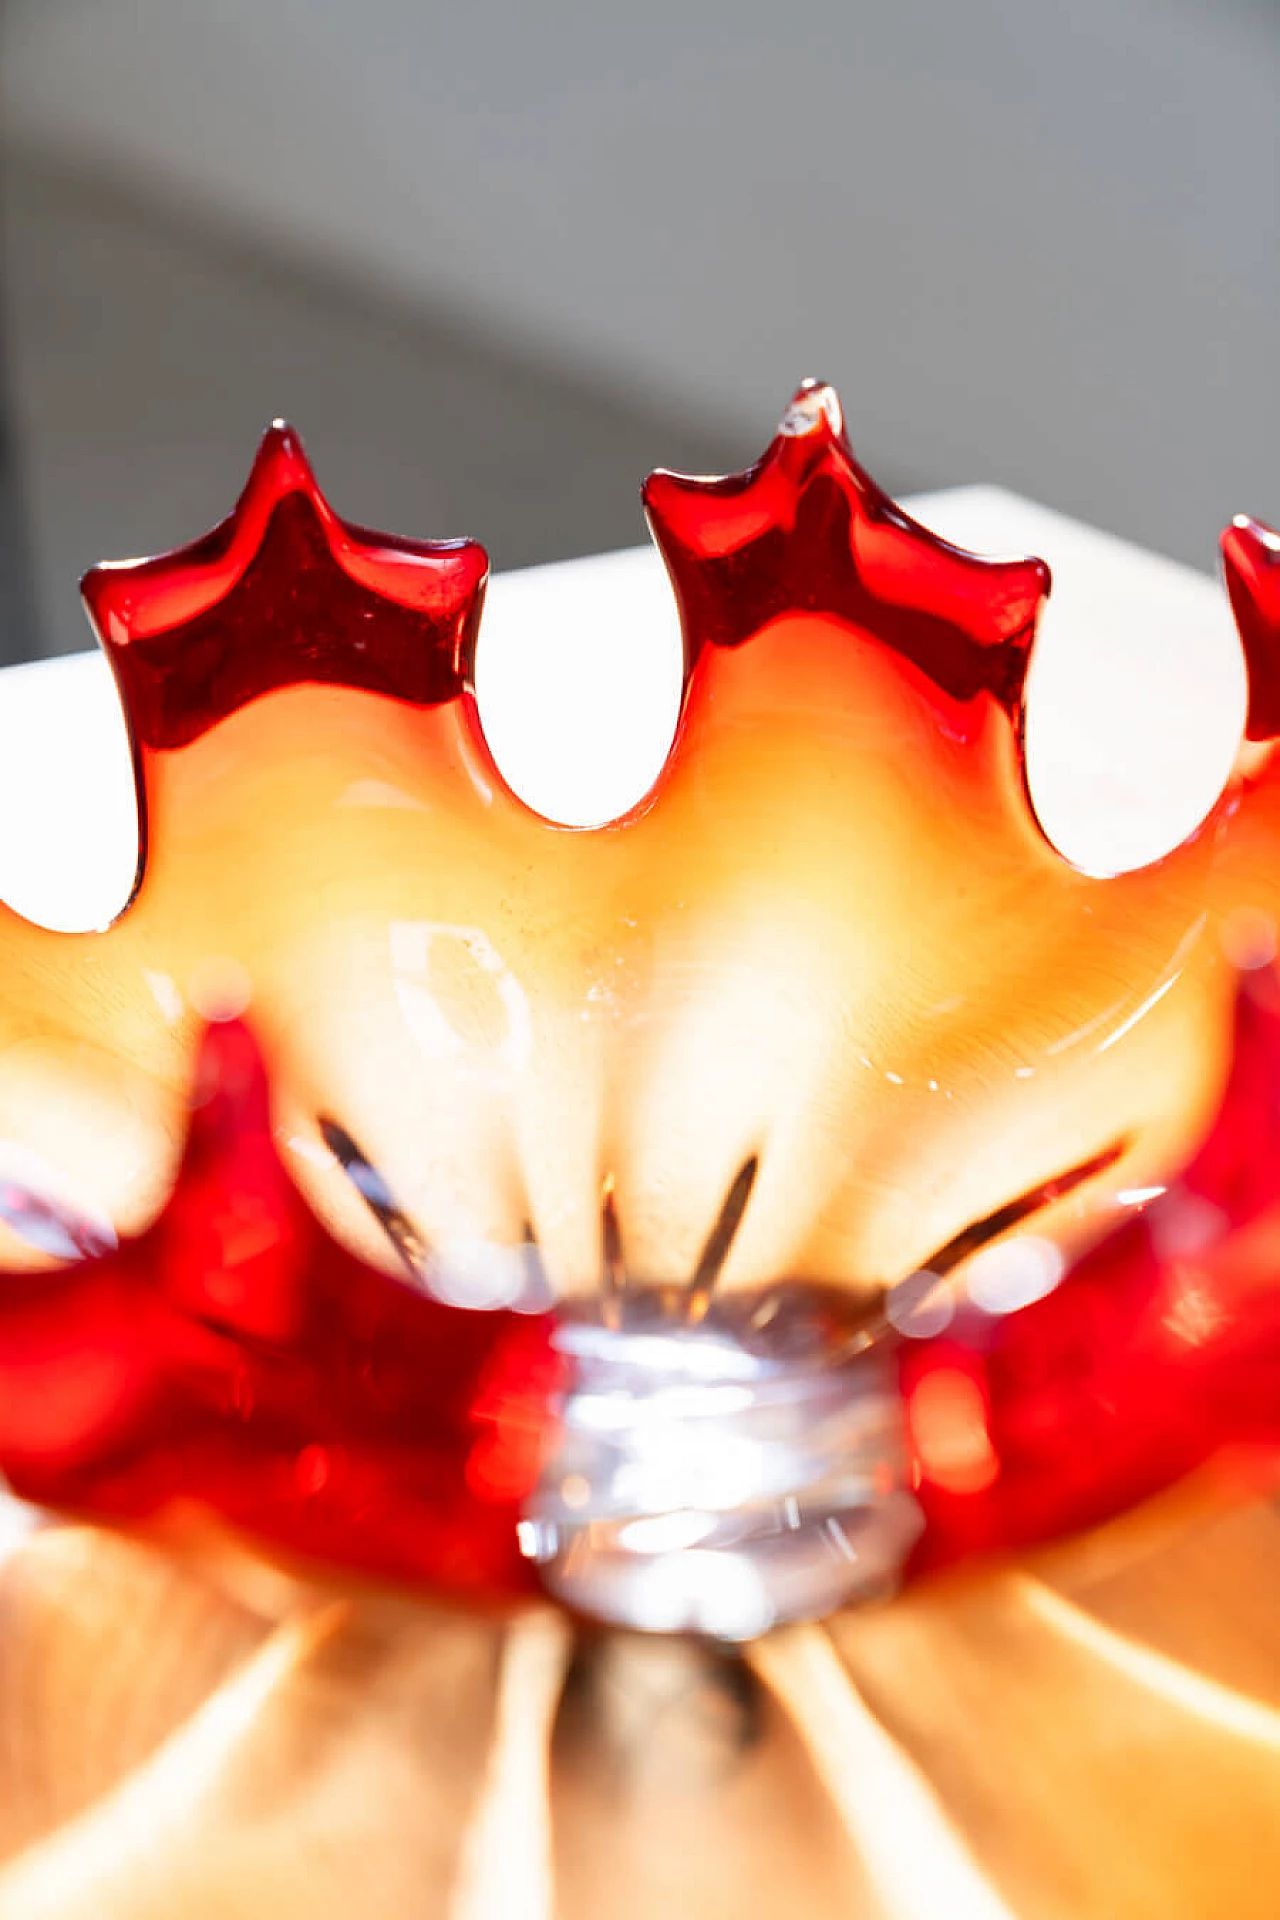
(1013, 1273)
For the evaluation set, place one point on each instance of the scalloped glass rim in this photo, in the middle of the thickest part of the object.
(578, 684)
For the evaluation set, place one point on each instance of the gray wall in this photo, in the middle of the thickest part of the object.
(1033, 242)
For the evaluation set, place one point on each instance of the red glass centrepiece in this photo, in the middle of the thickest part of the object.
(837, 879)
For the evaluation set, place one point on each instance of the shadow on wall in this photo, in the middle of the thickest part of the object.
(148, 354)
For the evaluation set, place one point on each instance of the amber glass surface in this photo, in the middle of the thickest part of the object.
(825, 1018)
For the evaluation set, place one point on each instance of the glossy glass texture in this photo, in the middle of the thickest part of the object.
(828, 982)
(1251, 563)
(806, 532)
(282, 592)
(234, 1365)
(1158, 1352)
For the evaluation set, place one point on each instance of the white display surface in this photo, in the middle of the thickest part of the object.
(1136, 702)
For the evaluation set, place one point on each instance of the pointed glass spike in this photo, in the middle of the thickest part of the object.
(283, 593)
(1251, 564)
(807, 532)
